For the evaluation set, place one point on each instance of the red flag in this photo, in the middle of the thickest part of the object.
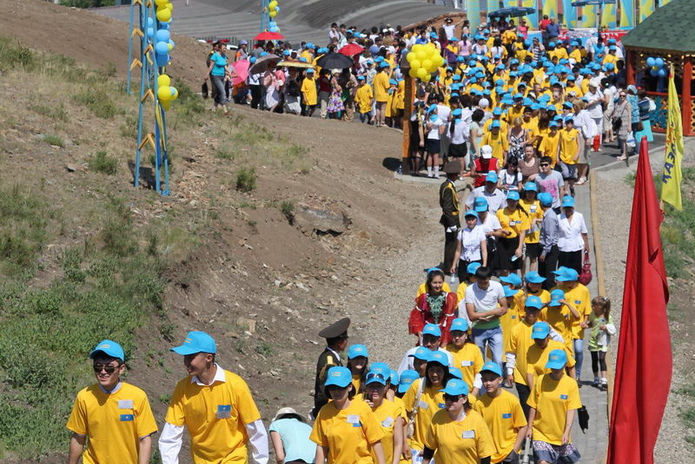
(644, 363)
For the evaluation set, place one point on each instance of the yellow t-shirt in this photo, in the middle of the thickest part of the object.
(357, 382)
(423, 289)
(459, 442)
(504, 417)
(576, 89)
(114, 423)
(552, 399)
(504, 127)
(510, 319)
(431, 401)
(549, 146)
(515, 112)
(386, 415)
(534, 210)
(461, 292)
(569, 145)
(469, 359)
(560, 319)
(381, 87)
(544, 295)
(518, 344)
(610, 59)
(216, 417)
(514, 221)
(364, 97)
(537, 357)
(499, 143)
(309, 91)
(580, 298)
(348, 433)
(576, 55)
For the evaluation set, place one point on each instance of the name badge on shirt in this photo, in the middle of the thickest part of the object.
(513, 316)
(354, 419)
(507, 415)
(533, 208)
(125, 404)
(577, 301)
(441, 405)
(468, 434)
(563, 397)
(512, 223)
(423, 405)
(388, 422)
(224, 411)
(466, 363)
(127, 417)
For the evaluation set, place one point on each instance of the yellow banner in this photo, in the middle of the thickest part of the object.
(671, 177)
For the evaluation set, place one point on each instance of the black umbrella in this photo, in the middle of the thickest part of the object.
(261, 65)
(583, 418)
(514, 12)
(334, 61)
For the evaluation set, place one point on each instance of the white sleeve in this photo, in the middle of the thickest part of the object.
(170, 443)
(511, 362)
(258, 439)
(478, 381)
(554, 335)
(404, 364)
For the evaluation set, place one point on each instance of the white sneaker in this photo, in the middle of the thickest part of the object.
(581, 181)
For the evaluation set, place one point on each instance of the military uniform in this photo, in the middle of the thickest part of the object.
(451, 217)
(329, 358)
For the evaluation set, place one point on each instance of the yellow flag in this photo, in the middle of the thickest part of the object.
(671, 177)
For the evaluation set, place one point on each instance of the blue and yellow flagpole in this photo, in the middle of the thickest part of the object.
(672, 176)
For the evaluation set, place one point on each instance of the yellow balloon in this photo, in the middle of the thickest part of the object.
(161, 2)
(427, 78)
(163, 81)
(410, 57)
(165, 104)
(272, 5)
(421, 73)
(164, 93)
(164, 14)
(427, 64)
(171, 47)
(415, 64)
(273, 13)
(417, 47)
(421, 55)
(170, 6)
(412, 72)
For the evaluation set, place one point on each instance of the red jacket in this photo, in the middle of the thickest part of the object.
(421, 315)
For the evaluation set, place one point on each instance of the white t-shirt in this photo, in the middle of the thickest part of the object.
(484, 300)
(571, 232)
(595, 110)
(495, 200)
(470, 243)
(449, 30)
(433, 134)
(461, 132)
(491, 223)
(443, 111)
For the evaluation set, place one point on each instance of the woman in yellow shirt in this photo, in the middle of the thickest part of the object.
(467, 356)
(358, 359)
(346, 431)
(458, 435)
(515, 222)
(535, 213)
(388, 415)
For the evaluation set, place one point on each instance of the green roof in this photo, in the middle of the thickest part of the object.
(669, 28)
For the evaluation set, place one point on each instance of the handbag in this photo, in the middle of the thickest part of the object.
(586, 276)
(583, 418)
(617, 124)
(204, 89)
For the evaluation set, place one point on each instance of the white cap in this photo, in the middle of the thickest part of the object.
(483, 103)
(595, 83)
(486, 151)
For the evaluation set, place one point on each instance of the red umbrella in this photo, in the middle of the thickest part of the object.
(269, 36)
(241, 71)
(351, 49)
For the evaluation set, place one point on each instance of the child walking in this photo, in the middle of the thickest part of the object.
(602, 328)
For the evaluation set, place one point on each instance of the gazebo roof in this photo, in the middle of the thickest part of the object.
(669, 28)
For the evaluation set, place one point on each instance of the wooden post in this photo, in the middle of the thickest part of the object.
(687, 109)
(408, 100)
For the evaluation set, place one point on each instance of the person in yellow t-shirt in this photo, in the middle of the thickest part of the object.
(388, 415)
(346, 431)
(534, 286)
(381, 86)
(559, 313)
(551, 143)
(578, 295)
(216, 407)
(538, 352)
(309, 94)
(554, 402)
(467, 356)
(497, 140)
(611, 56)
(458, 434)
(503, 415)
(515, 223)
(568, 152)
(532, 206)
(364, 98)
(358, 361)
(115, 416)
(512, 316)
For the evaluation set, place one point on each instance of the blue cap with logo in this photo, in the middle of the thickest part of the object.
(556, 296)
(472, 267)
(459, 324)
(534, 277)
(480, 203)
(530, 187)
(439, 357)
(567, 201)
(509, 291)
(338, 376)
(432, 329)
(557, 359)
(545, 198)
(456, 372)
(377, 377)
(357, 350)
(492, 367)
(406, 379)
(532, 301)
(513, 195)
(196, 342)
(110, 349)
(491, 177)
(455, 387)
(512, 279)
(566, 274)
(422, 353)
(540, 330)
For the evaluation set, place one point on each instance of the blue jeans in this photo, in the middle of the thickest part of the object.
(579, 356)
(493, 338)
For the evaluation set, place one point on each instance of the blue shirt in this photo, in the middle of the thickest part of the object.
(220, 63)
(295, 439)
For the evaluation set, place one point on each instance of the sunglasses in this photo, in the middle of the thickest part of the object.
(452, 398)
(105, 367)
(545, 164)
(375, 376)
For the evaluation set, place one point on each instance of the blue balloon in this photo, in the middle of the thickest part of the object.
(150, 21)
(149, 32)
(662, 72)
(163, 35)
(162, 60)
(273, 29)
(277, 8)
(272, 24)
(651, 62)
(162, 48)
(659, 62)
(165, 25)
(653, 72)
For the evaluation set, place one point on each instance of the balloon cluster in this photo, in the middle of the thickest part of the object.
(658, 67)
(424, 60)
(165, 92)
(159, 36)
(273, 10)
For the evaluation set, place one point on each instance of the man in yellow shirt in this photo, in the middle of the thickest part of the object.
(537, 354)
(560, 313)
(114, 415)
(364, 97)
(503, 415)
(381, 84)
(309, 94)
(551, 143)
(569, 152)
(497, 140)
(216, 407)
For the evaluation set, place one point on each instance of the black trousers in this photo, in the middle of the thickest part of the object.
(450, 241)
(571, 259)
(255, 96)
(546, 267)
(524, 392)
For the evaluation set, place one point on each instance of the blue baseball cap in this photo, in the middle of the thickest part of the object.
(557, 359)
(459, 324)
(456, 372)
(439, 358)
(509, 291)
(455, 387)
(530, 187)
(512, 279)
(471, 212)
(110, 349)
(422, 353)
(552, 124)
(497, 111)
(532, 301)
(496, 124)
(472, 267)
(381, 368)
(534, 277)
(457, 112)
(357, 350)
(513, 195)
(480, 203)
(377, 377)
(406, 379)
(394, 378)
(338, 376)
(432, 329)
(555, 297)
(545, 198)
(196, 342)
(540, 330)
(566, 275)
(491, 177)
(360, 78)
(492, 367)
(567, 201)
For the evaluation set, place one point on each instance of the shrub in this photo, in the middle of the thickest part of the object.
(54, 140)
(246, 180)
(287, 209)
(98, 101)
(103, 163)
